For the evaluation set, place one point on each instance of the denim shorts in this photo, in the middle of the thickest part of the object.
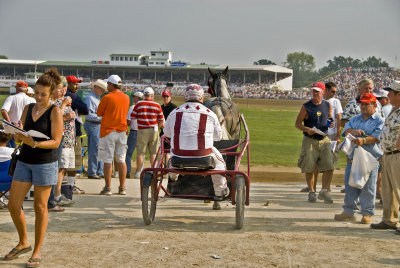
(37, 174)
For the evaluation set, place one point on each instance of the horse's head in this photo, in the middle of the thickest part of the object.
(217, 84)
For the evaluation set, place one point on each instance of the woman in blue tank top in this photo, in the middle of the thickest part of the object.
(37, 165)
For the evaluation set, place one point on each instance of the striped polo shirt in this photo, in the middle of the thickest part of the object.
(148, 113)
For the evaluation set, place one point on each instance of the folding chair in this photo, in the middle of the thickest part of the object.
(5, 180)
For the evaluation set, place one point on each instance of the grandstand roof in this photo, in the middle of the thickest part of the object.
(10, 61)
(188, 66)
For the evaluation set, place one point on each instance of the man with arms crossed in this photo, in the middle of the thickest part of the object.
(113, 109)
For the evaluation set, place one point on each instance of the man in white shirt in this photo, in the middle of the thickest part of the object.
(15, 104)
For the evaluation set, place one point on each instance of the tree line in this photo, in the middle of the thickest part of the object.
(303, 66)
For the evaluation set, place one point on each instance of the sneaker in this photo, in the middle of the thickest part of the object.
(137, 175)
(121, 190)
(343, 191)
(106, 191)
(116, 174)
(304, 190)
(77, 190)
(344, 217)
(224, 195)
(128, 176)
(366, 219)
(382, 226)
(324, 195)
(312, 197)
(63, 201)
(95, 176)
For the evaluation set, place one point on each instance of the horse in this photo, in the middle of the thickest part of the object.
(222, 105)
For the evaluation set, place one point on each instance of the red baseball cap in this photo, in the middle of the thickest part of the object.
(318, 86)
(166, 93)
(73, 79)
(22, 84)
(367, 98)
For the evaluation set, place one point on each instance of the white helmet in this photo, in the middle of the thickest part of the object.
(194, 92)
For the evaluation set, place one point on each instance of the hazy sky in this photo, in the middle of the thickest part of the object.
(212, 31)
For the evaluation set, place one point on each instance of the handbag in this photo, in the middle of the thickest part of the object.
(13, 162)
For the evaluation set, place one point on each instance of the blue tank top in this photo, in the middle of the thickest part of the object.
(317, 116)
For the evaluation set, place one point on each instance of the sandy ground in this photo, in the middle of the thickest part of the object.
(100, 231)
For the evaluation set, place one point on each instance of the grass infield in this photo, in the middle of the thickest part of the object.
(273, 138)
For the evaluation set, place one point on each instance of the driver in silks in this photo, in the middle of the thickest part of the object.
(193, 128)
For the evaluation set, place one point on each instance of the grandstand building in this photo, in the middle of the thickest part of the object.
(156, 67)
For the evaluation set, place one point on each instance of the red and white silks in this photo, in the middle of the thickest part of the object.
(193, 128)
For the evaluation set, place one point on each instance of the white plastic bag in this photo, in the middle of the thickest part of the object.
(363, 164)
(347, 146)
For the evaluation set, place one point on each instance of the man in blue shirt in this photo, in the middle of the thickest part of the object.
(92, 128)
(367, 128)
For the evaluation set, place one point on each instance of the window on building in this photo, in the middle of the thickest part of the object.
(136, 58)
(153, 54)
(130, 58)
(162, 63)
(163, 54)
(117, 58)
(126, 58)
(151, 63)
(112, 58)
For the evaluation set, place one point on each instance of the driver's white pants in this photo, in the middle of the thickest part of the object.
(219, 181)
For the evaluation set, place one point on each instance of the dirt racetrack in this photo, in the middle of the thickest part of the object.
(100, 231)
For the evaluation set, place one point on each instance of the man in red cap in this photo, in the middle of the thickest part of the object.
(167, 107)
(80, 108)
(14, 105)
(313, 121)
(366, 127)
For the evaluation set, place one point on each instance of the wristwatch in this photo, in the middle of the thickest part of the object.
(35, 144)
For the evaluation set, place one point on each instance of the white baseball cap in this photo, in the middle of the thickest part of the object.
(30, 91)
(381, 94)
(114, 79)
(138, 94)
(148, 91)
(395, 86)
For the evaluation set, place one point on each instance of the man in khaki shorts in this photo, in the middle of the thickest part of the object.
(113, 109)
(316, 148)
(149, 117)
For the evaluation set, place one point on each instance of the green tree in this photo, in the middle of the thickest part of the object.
(374, 62)
(3, 57)
(303, 66)
(300, 62)
(264, 62)
(340, 62)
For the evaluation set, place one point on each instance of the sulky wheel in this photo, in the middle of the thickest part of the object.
(149, 204)
(240, 199)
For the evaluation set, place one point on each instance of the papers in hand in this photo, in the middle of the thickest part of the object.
(347, 146)
(319, 132)
(11, 129)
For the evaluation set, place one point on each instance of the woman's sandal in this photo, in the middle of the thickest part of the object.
(16, 252)
(33, 262)
(56, 209)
